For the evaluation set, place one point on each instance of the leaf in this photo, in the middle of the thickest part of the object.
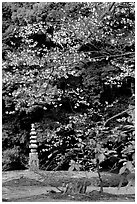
(72, 162)
(110, 152)
(50, 156)
(122, 170)
(101, 157)
(93, 161)
(98, 148)
(133, 157)
(76, 166)
(129, 165)
(122, 160)
(128, 127)
(72, 165)
(71, 168)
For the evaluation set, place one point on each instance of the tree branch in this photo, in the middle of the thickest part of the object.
(112, 56)
(108, 11)
(116, 116)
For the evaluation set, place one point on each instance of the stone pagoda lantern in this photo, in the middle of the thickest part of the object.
(33, 155)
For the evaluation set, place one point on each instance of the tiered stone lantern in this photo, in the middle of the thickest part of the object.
(33, 155)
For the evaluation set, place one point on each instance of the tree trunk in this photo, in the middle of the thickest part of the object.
(99, 175)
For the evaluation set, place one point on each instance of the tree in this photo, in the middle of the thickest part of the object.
(64, 61)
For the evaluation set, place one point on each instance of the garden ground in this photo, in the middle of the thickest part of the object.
(27, 186)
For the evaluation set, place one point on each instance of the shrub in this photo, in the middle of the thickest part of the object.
(13, 159)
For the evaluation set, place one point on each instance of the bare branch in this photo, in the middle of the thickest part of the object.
(117, 115)
(112, 56)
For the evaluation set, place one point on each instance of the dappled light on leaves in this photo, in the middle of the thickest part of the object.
(69, 67)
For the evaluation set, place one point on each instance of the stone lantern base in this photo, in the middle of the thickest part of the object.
(33, 161)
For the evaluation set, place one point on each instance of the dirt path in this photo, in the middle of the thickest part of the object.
(25, 186)
(14, 193)
(27, 193)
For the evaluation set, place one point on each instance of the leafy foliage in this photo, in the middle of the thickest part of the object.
(68, 68)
